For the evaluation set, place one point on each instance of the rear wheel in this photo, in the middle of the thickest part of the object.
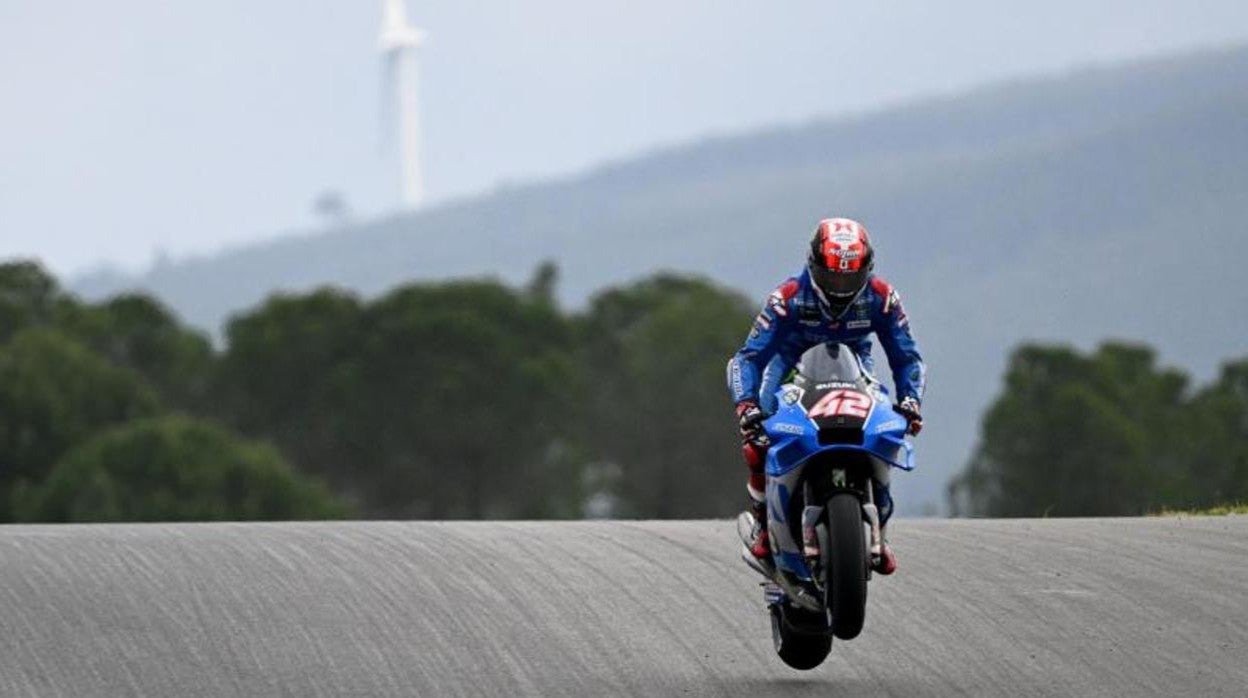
(845, 559)
(797, 637)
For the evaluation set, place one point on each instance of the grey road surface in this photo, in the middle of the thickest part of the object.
(993, 608)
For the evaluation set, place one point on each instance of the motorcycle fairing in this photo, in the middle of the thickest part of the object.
(795, 437)
(795, 441)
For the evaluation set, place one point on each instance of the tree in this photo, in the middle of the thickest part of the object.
(434, 401)
(173, 468)
(657, 407)
(286, 374)
(28, 296)
(54, 393)
(1215, 435)
(137, 332)
(1104, 434)
(543, 283)
(461, 393)
(133, 331)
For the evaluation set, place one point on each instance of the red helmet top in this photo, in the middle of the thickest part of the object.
(840, 261)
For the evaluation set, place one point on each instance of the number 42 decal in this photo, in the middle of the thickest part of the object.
(837, 403)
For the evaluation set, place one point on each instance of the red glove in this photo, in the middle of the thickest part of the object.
(754, 440)
(750, 420)
(909, 408)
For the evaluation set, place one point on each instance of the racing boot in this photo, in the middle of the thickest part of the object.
(760, 547)
(886, 563)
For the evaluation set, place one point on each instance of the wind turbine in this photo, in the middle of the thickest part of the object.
(398, 42)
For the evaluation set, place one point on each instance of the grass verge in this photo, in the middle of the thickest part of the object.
(1220, 510)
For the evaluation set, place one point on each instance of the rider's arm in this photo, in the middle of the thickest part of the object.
(893, 329)
(862, 347)
(766, 339)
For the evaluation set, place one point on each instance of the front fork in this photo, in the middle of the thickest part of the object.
(810, 520)
(872, 512)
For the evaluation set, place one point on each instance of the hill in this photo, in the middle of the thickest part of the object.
(1103, 203)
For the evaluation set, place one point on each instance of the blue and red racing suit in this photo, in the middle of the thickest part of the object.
(793, 319)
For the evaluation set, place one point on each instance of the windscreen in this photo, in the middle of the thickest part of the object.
(829, 362)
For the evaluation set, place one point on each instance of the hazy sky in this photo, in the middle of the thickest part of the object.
(136, 125)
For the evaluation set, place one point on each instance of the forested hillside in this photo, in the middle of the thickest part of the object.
(1104, 203)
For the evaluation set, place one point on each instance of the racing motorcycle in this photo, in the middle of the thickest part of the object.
(833, 431)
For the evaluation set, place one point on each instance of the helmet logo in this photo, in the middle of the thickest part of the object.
(844, 244)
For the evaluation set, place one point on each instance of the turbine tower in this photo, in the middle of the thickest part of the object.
(398, 42)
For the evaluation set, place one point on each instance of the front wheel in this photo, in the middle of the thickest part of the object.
(845, 559)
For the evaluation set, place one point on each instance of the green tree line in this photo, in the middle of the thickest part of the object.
(96, 418)
(475, 399)
(460, 399)
(1109, 433)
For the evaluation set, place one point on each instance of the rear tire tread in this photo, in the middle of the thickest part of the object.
(800, 650)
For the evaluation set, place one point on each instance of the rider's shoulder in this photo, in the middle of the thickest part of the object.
(788, 289)
(781, 299)
(885, 295)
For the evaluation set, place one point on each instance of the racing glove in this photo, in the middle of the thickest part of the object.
(909, 408)
(754, 440)
(750, 420)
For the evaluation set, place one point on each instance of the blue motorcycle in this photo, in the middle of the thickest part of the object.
(835, 437)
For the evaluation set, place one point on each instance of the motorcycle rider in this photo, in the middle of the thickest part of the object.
(836, 298)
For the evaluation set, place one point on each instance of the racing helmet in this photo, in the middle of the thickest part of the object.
(840, 262)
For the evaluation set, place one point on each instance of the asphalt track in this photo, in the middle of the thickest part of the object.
(1059, 607)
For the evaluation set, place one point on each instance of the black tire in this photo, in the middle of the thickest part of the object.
(800, 650)
(845, 560)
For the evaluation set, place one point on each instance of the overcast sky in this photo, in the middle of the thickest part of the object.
(136, 125)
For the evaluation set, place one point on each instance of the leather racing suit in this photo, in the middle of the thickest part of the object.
(793, 319)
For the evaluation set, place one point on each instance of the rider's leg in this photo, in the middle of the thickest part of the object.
(774, 374)
(756, 486)
(884, 504)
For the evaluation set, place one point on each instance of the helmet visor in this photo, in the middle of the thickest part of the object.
(839, 284)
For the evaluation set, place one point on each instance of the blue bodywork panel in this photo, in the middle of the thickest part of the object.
(795, 440)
